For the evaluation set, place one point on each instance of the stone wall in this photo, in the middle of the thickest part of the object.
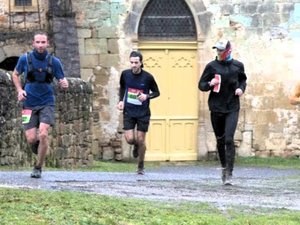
(56, 17)
(14, 18)
(262, 33)
(98, 25)
(64, 34)
(265, 37)
(70, 138)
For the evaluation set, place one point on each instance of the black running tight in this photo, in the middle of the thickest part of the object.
(224, 126)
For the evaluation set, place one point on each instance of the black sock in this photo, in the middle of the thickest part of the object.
(38, 167)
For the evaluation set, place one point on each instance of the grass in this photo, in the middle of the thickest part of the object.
(36, 207)
(272, 162)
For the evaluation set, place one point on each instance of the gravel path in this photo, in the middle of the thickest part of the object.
(254, 187)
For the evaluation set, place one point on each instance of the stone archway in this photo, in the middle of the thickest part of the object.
(201, 16)
(13, 45)
(9, 63)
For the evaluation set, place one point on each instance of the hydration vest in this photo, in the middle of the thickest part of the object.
(48, 70)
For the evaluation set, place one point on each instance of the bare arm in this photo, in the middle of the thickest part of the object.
(294, 98)
(21, 93)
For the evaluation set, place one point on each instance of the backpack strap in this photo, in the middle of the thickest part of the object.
(29, 76)
(29, 62)
(49, 69)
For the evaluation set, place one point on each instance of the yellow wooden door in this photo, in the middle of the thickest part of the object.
(173, 127)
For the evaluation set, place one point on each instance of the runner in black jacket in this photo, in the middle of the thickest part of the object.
(137, 87)
(225, 78)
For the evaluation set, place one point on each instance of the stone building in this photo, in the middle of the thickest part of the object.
(94, 38)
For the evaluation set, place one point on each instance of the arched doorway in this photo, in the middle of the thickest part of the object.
(167, 38)
(9, 63)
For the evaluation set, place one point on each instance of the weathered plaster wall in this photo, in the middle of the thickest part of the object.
(265, 37)
(263, 34)
(98, 26)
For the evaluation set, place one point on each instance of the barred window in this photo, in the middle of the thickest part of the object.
(23, 2)
(167, 20)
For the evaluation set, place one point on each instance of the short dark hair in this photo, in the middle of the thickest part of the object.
(137, 54)
(40, 32)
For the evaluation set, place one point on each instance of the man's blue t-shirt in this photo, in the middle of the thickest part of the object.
(39, 93)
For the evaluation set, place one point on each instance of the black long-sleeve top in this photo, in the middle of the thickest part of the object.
(232, 77)
(131, 85)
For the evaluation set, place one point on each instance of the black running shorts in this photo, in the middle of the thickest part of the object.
(142, 123)
(40, 114)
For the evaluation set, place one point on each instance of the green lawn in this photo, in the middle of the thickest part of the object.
(35, 207)
(275, 162)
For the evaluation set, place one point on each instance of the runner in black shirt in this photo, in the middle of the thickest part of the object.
(225, 78)
(137, 87)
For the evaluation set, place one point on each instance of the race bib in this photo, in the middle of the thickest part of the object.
(26, 114)
(132, 96)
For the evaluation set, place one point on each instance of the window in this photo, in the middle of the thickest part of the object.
(167, 20)
(23, 5)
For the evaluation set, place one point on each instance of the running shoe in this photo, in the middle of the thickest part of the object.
(140, 171)
(36, 173)
(228, 179)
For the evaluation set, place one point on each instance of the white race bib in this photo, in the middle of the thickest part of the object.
(132, 96)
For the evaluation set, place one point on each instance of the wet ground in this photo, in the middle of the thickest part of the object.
(254, 187)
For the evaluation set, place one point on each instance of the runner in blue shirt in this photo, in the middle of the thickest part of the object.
(37, 95)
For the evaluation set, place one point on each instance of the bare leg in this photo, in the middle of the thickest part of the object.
(31, 135)
(32, 138)
(43, 146)
(141, 136)
(130, 137)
